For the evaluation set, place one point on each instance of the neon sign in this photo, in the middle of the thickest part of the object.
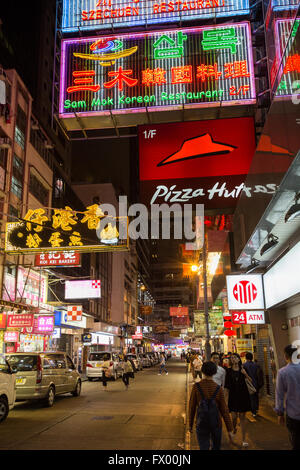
(286, 47)
(88, 15)
(65, 230)
(193, 67)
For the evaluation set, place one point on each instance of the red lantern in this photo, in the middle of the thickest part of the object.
(229, 333)
(228, 324)
(227, 317)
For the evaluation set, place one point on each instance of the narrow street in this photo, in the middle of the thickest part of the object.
(147, 416)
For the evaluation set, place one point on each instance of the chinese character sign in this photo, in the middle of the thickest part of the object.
(195, 67)
(20, 321)
(66, 230)
(54, 258)
(287, 59)
(86, 15)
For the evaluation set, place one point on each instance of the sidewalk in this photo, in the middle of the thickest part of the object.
(263, 432)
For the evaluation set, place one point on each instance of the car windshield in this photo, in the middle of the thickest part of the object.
(23, 363)
(99, 356)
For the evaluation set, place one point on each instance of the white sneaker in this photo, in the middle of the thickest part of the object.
(166, 373)
(245, 444)
(158, 374)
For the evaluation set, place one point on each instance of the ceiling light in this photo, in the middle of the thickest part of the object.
(254, 264)
(294, 210)
(272, 241)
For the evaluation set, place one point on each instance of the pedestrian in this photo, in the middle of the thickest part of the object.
(162, 365)
(208, 399)
(288, 391)
(220, 375)
(197, 363)
(238, 394)
(252, 370)
(106, 371)
(192, 369)
(127, 372)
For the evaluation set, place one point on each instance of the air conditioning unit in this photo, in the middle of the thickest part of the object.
(5, 143)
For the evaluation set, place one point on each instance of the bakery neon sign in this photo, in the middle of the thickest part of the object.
(194, 67)
(87, 15)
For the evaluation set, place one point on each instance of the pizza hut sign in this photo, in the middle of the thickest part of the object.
(245, 292)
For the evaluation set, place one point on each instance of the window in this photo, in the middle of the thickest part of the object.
(3, 157)
(23, 363)
(20, 130)
(13, 214)
(38, 190)
(17, 177)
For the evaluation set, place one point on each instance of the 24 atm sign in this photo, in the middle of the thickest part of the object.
(248, 318)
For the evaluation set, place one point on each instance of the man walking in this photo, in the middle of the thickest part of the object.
(127, 372)
(220, 375)
(197, 363)
(252, 370)
(162, 364)
(287, 389)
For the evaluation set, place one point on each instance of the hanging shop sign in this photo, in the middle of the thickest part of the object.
(2, 321)
(179, 323)
(249, 317)
(86, 338)
(20, 321)
(245, 292)
(87, 15)
(203, 162)
(195, 67)
(32, 287)
(66, 230)
(61, 319)
(83, 289)
(54, 258)
(146, 309)
(244, 345)
(11, 336)
(138, 334)
(179, 311)
(287, 57)
(74, 312)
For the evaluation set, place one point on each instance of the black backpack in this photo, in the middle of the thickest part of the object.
(207, 413)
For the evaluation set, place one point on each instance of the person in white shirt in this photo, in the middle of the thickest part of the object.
(219, 377)
(197, 363)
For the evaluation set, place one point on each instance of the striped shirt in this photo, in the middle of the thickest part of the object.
(209, 387)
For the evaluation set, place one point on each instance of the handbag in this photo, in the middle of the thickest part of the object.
(250, 386)
(107, 373)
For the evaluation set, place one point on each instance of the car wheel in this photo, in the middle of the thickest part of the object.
(77, 390)
(90, 379)
(50, 397)
(4, 409)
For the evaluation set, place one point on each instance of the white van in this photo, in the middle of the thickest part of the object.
(7, 388)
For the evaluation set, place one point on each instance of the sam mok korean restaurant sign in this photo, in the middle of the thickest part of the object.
(87, 15)
(194, 67)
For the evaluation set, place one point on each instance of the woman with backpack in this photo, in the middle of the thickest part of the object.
(238, 395)
(207, 399)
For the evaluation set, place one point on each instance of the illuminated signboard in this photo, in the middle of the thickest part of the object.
(179, 311)
(194, 67)
(87, 15)
(70, 258)
(203, 162)
(278, 5)
(245, 292)
(82, 290)
(66, 229)
(288, 50)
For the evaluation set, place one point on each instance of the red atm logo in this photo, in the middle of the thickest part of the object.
(245, 292)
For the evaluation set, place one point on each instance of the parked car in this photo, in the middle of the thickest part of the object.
(137, 361)
(146, 360)
(151, 358)
(95, 361)
(42, 376)
(7, 388)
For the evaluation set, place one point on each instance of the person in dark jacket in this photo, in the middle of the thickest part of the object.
(252, 370)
